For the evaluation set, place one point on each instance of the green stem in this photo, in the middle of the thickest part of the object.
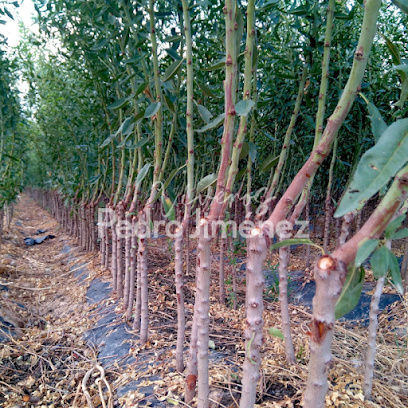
(282, 158)
(158, 121)
(242, 130)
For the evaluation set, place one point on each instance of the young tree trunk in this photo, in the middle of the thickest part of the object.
(1, 226)
(128, 281)
(329, 277)
(191, 369)
(144, 294)
(284, 304)
(106, 234)
(188, 266)
(257, 251)
(114, 263)
(223, 247)
(181, 319)
(119, 254)
(372, 336)
(138, 303)
(132, 274)
(234, 286)
(328, 214)
(103, 241)
(203, 308)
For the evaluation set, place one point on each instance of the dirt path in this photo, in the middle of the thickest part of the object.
(43, 354)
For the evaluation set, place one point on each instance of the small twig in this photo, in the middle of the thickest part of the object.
(102, 378)
(232, 396)
(76, 396)
(11, 387)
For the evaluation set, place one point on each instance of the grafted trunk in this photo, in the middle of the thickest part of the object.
(138, 303)
(103, 237)
(257, 252)
(128, 281)
(181, 319)
(114, 264)
(106, 234)
(329, 276)
(132, 273)
(119, 255)
(203, 308)
(191, 369)
(144, 294)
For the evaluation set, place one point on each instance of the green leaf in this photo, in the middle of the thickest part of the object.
(171, 71)
(141, 88)
(276, 332)
(400, 234)
(127, 126)
(173, 54)
(393, 226)
(8, 13)
(365, 250)
(376, 167)
(152, 109)
(268, 163)
(206, 182)
(133, 60)
(213, 124)
(173, 401)
(299, 11)
(142, 173)
(252, 151)
(169, 208)
(395, 273)
(378, 125)
(14, 158)
(173, 38)
(92, 180)
(119, 103)
(401, 67)
(204, 113)
(169, 104)
(217, 65)
(168, 181)
(379, 262)
(295, 241)
(396, 59)
(244, 151)
(138, 118)
(206, 90)
(350, 295)
(141, 143)
(171, 176)
(106, 141)
(211, 344)
(242, 108)
(240, 174)
(402, 4)
(100, 44)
